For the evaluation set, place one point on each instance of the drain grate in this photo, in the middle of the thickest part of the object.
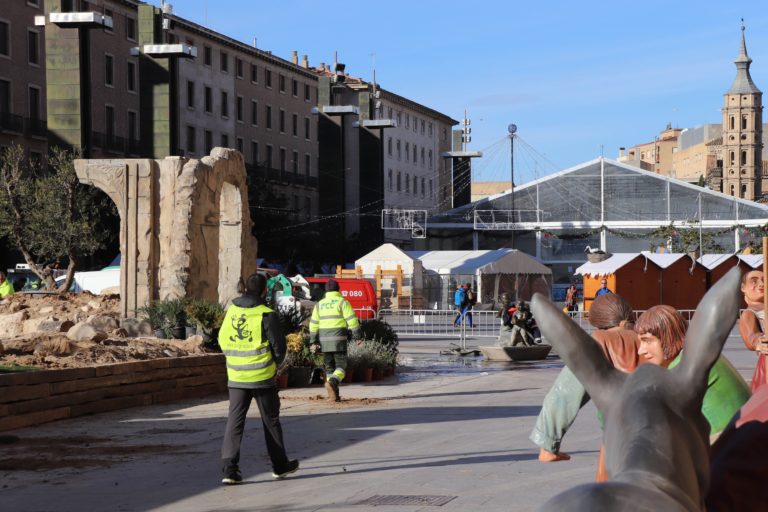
(423, 500)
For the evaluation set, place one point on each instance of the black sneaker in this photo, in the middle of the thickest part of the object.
(290, 467)
(232, 477)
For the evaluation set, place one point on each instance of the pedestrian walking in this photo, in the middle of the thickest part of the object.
(332, 319)
(253, 342)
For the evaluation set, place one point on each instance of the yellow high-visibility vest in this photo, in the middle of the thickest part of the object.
(331, 319)
(249, 357)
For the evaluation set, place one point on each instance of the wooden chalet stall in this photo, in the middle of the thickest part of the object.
(631, 275)
(717, 265)
(683, 279)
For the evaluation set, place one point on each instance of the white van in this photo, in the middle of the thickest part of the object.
(93, 282)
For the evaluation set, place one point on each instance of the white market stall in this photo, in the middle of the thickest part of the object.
(491, 273)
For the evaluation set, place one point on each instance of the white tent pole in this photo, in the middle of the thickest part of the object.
(496, 286)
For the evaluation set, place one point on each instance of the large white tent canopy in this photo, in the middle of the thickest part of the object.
(498, 261)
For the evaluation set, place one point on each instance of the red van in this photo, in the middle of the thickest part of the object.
(359, 293)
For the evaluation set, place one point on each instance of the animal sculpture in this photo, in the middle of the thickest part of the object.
(656, 438)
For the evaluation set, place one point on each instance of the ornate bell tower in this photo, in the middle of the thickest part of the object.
(743, 133)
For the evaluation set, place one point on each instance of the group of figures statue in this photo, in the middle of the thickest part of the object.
(518, 326)
(682, 429)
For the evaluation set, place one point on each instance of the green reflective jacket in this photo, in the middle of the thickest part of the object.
(331, 319)
(6, 289)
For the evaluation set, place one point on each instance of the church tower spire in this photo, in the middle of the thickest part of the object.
(743, 133)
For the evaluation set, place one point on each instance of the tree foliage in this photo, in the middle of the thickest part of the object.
(49, 215)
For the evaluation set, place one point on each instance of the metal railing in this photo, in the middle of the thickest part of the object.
(11, 122)
(441, 322)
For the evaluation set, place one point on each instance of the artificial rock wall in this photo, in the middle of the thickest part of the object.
(185, 226)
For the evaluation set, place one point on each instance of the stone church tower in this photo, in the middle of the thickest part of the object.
(743, 133)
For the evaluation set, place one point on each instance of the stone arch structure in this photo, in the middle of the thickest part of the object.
(185, 226)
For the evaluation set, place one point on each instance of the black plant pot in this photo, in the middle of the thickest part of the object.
(160, 333)
(179, 332)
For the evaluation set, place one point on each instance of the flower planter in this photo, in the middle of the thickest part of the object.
(367, 374)
(388, 372)
(282, 381)
(350, 373)
(298, 377)
(378, 374)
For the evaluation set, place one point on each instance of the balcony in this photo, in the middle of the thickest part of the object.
(11, 123)
(110, 143)
(259, 172)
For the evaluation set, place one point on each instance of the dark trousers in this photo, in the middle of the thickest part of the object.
(269, 407)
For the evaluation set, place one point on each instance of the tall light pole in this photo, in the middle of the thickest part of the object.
(512, 128)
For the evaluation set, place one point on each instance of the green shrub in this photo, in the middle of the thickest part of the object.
(165, 314)
(206, 315)
(382, 333)
(370, 354)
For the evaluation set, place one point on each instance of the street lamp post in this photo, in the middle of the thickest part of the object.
(512, 128)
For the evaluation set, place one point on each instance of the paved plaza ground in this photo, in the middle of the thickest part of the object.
(444, 427)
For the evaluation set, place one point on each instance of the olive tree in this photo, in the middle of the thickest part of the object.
(49, 215)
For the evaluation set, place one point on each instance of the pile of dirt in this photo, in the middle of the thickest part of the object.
(75, 330)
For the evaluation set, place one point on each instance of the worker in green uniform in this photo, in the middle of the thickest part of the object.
(331, 320)
(6, 288)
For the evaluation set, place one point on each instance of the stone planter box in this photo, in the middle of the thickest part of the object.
(31, 398)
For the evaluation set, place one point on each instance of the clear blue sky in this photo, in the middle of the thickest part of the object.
(572, 75)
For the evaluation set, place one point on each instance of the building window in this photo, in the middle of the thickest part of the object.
(422, 186)
(733, 124)
(430, 158)
(398, 181)
(224, 61)
(133, 126)
(399, 152)
(238, 68)
(389, 146)
(109, 14)
(190, 139)
(422, 157)
(307, 93)
(389, 179)
(733, 157)
(254, 113)
(269, 117)
(254, 152)
(224, 140)
(282, 159)
(407, 151)
(34, 104)
(282, 120)
(423, 127)
(130, 76)
(306, 128)
(743, 122)
(429, 130)
(130, 29)
(281, 83)
(407, 120)
(743, 191)
(733, 190)
(254, 74)
(295, 162)
(190, 94)
(109, 121)
(307, 208)
(743, 158)
(224, 104)
(269, 156)
(294, 87)
(208, 99)
(33, 48)
(268, 78)
(407, 183)
(208, 141)
(239, 109)
(415, 155)
(431, 190)
(307, 164)
(5, 39)
(399, 119)
(207, 56)
(295, 125)
(239, 144)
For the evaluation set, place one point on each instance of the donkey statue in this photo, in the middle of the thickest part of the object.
(656, 438)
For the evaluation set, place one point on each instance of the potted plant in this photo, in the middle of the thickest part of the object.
(175, 318)
(207, 317)
(154, 314)
(300, 360)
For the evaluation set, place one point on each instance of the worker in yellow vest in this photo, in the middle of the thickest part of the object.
(6, 288)
(253, 342)
(331, 320)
